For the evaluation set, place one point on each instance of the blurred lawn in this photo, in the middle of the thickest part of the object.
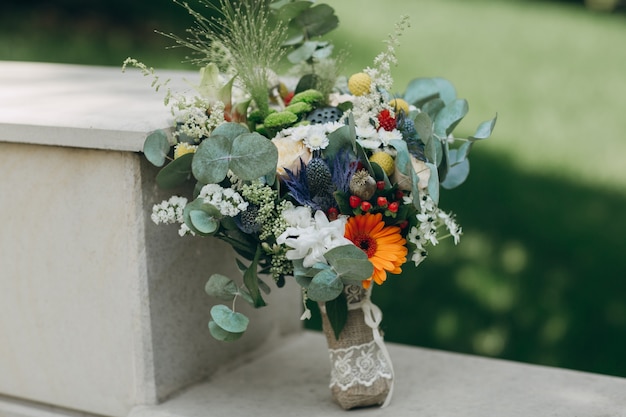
(540, 274)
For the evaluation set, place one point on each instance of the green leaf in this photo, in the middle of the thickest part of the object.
(450, 116)
(323, 51)
(433, 183)
(433, 107)
(221, 287)
(325, 286)
(210, 161)
(222, 335)
(203, 222)
(317, 20)
(156, 147)
(231, 130)
(350, 264)
(456, 175)
(253, 156)
(447, 92)
(251, 280)
(421, 90)
(424, 127)
(210, 212)
(176, 172)
(303, 52)
(338, 140)
(484, 129)
(337, 313)
(229, 320)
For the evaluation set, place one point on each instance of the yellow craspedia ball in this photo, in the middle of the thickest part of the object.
(359, 83)
(385, 161)
(398, 105)
(184, 148)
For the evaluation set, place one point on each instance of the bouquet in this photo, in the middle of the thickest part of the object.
(328, 180)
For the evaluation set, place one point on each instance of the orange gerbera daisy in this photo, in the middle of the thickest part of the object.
(384, 246)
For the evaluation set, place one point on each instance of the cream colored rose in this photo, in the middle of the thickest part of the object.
(289, 154)
(404, 182)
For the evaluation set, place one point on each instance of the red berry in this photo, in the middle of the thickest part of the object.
(380, 185)
(333, 213)
(354, 201)
(288, 98)
(382, 202)
(366, 206)
(399, 194)
(404, 224)
(393, 207)
(386, 121)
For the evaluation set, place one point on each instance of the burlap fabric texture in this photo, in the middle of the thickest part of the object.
(361, 371)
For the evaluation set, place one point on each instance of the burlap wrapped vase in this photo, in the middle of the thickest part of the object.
(361, 370)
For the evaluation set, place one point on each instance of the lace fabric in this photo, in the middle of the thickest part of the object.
(358, 365)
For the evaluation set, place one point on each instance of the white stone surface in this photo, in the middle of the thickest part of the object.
(292, 381)
(83, 106)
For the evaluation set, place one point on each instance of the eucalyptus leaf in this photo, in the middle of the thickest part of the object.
(317, 20)
(484, 129)
(221, 287)
(424, 127)
(456, 175)
(156, 147)
(344, 252)
(421, 90)
(337, 313)
(433, 183)
(325, 286)
(199, 205)
(450, 116)
(338, 140)
(433, 107)
(222, 335)
(231, 130)
(307, 82)
(253, 156)
(204, 222)
(447, 92)
(211, 159)
(229, 320)
(323, 52)
(176, 172)
(303, 52)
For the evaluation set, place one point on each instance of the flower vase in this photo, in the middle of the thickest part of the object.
(361, 370)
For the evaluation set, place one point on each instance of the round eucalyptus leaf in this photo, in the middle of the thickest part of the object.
(176, 172)
(203, 222)
(229, 320)
(210, 161)
(230, 130)
(484, 129)
(156, 147)
(221, 287)
(253, 156)
(222, 335)
(450, 116)
(325, 286)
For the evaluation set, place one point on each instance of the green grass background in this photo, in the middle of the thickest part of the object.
(540, 273)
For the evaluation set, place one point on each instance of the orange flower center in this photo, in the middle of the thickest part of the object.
(365, 242)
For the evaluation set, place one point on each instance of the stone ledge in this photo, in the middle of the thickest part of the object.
(293, 381)
(83, 106)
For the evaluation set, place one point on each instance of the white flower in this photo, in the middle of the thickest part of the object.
(332, 126)
(386, 136)
(169, 211)
(228, 201)
(316, 137)
(298, 216)
(366, 131)
(310, 243)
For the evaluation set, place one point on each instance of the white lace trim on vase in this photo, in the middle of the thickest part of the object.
(361, 364)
